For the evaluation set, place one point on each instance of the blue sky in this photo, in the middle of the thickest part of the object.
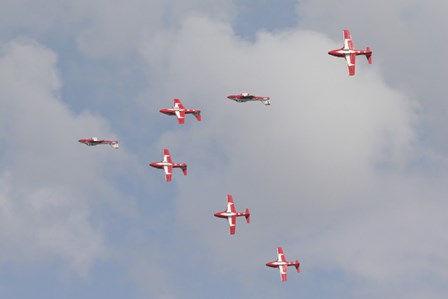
(348, 174)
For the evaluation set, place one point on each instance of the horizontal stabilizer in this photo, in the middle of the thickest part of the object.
(247, 215)
(184, 169)
(297, 265)
(369, 55)
(266, 102)
(197, 114)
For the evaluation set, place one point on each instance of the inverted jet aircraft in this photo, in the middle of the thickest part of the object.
(167, 165)
(95, 141)
(282, 264)
(349, 52)
(179, 111)
(245, 97)
(230, 213)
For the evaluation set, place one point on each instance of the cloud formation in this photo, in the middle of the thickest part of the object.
(323, 169)
(47, 181)
(336, 170)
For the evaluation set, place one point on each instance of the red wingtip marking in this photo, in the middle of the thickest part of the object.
(232, 230)
(351, 70)
(198, 115)
(347, 34)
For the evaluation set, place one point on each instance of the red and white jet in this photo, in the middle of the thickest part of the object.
(167, 165)
(230, 213)
(95, 141)
(179, 111)
(282, 264)
(349, 52)
(244, 97)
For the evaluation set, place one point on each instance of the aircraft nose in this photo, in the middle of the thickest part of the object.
(153, 164)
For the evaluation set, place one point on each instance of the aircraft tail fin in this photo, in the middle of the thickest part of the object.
(197, 114)
(297, 265)
(247, 215)
(114, 145)
(369, 55)
(266, 102)
(184, 168)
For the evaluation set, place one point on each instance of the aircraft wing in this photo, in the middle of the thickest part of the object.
(230, 204)
(232, 224)
(168, 172)
(180, 116)
(280, 255)
(178, 104)
(283, 272)
(351, 62)
(348, 42)
(167, 156)
(180, 111)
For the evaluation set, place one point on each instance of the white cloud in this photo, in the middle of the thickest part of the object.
(400, 37)
(315, 167)
(49, 181)
(104, 29)
(334, 170)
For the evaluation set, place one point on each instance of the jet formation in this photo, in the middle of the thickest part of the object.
(348, 52)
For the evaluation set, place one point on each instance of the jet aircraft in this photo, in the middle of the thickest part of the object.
(230, 213)
(282, 264)
(349, 52)
(179, 111)
(245, 97)
(95, 141)
(167, 165)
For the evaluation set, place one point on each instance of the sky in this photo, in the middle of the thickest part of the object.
(347, 174)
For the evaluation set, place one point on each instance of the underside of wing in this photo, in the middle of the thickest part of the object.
(168, 173)
(167, 156)
(178, 104)
(280, 254)
(230, 204)
(348, 42)
(351, 62)
(168, 177)
(232, 224)
(180, 116)
(283, 272)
